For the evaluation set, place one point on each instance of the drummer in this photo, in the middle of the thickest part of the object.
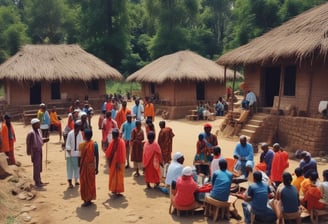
(44, 118)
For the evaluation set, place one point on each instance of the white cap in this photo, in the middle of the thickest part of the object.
(34, 121)
(177, 156)
(187, 171)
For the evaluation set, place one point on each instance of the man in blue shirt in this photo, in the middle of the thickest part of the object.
(221, 182)
(257, 196)
(126, 130)
(288, 195)
(266, 157)
(245, 156)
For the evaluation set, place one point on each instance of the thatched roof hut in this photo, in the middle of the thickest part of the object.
(182, 65)
(287, 69)
(54, 74)
(56, 62)
(182, 80)
(302, 38)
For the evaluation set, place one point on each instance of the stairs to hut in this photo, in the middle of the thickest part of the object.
(250, 127)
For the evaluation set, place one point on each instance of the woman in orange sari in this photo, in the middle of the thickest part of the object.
(116, 156)
(152, 160)
(89, 161)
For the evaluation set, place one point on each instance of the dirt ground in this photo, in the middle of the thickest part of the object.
(58, 204)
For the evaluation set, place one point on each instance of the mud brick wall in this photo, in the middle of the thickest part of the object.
(295, 133)
(309, 134)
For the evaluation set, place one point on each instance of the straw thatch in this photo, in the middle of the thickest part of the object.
(303, 37)
(56, 62)
(182, 65)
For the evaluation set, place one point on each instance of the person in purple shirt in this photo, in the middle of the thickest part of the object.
(266, 157)
(307, 164)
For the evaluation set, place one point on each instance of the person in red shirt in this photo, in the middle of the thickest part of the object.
(279, 164)
(183, 194)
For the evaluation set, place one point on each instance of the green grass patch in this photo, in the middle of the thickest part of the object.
(122, 87)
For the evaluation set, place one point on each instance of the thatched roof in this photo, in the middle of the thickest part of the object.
(303, 37)
(56, 62)
(182, 65)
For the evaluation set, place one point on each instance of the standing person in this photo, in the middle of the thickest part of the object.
(126, 130)
(34, 142)
(279, 164)
(245, 156)
(210, 139)
(89, 162)
(215, 162)
(74, 138)
(165, 141)
(221, 182)
(107, 126)
(7, 140)
(55, 121)
(257, 196)
(115, 155)
(121, 114)
(44, 118)
(203, 156)
(138, 110)
(137, 137)
(266, 158)
(152, 160)
(149, 109)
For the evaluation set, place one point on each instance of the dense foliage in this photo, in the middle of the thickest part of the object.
(128, 34)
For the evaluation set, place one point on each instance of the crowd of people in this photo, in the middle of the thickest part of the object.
(129, 139)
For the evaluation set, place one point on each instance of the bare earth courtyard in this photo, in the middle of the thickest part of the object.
(58, 204)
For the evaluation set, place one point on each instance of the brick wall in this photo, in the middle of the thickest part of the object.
(294, 133)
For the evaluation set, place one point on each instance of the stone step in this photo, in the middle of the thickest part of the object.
(246, 132)
(255, 122)
(251, 127)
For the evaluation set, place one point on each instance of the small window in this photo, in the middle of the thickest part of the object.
(290, 81)
(93, 85)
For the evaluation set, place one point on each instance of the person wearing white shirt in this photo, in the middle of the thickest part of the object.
(74, 138)
(249, 100)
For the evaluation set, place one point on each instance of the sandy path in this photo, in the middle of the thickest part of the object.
(57, 204)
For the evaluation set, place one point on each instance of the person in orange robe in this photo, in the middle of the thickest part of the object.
(8, 138)
(121, 115)
(54, 120)
(136, 142)
(313, 194)
(149, 110)
(152, 160)
(165, 140)
(279, 164)
(89, 162)
(115, 155)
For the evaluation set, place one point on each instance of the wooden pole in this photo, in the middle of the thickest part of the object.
(233, 87)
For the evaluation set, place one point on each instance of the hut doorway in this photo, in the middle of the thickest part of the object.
(35, 93)
(270, 85)
(55, 90)
(200, 91)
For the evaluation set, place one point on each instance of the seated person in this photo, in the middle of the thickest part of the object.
(202, 157)
(216, 159)
(307, 182)
(297, 178)
(221, 182)
(174, 171)
(219, 107)
(200, 110)
(245, 156)
(288, 195)
(257, 195)
(313, 195)
(249, 100)
(184, 189)
(55, 121)
(324, 186)
(307, 164)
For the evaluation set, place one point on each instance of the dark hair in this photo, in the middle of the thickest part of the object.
(325, 175)
(217, 150)
(223, 164)
(298, 172)
(287, 178)
(138, 122)
(88, 134)
(257, 175)
(151, 135)
(313, 176)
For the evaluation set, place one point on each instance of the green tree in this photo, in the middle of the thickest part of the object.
(12, 32)
(173, 21)
(48, 20)
(104, 29)
(250, 19)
